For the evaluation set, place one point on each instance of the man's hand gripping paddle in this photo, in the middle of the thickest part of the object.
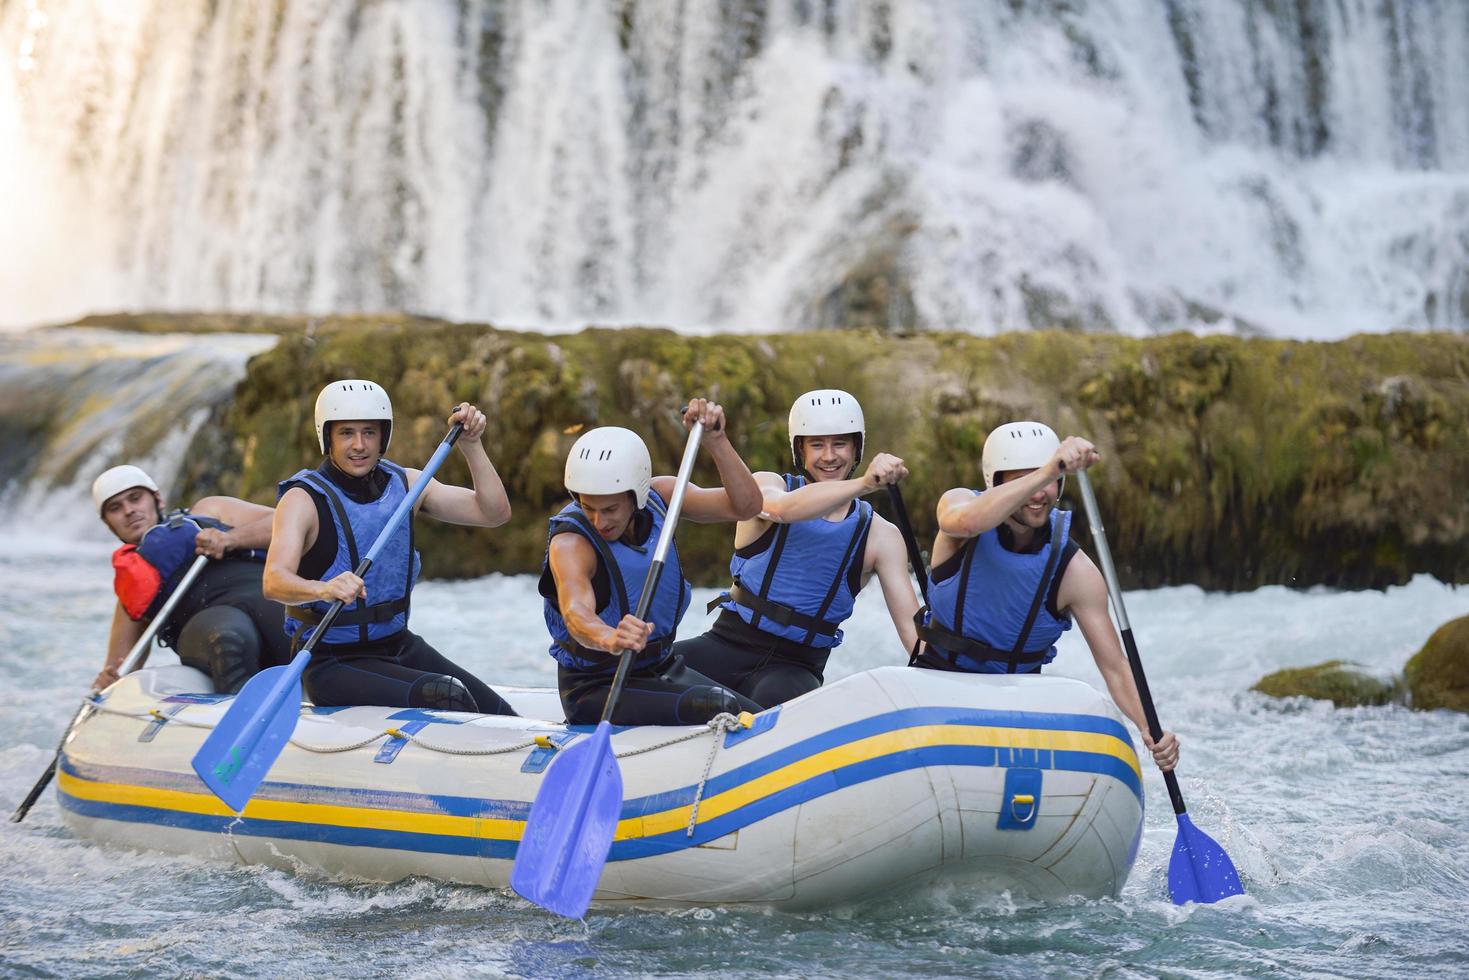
(1199, 870)
(246, 742)
(569, 831)
(135, 659)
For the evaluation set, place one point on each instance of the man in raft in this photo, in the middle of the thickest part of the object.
(223, 626)
(1008, 580)
(799, 564)
(329, 517)
(599, 549)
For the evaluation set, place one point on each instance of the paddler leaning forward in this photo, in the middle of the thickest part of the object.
(1008, 580)
(601, 546)
(223, 626)
(327, 520)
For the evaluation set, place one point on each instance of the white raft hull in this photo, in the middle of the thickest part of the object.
(887, 779)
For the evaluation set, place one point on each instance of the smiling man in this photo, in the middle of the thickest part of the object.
(223, 626)
(599, 549)
(1008, 579)
(329, 517)
(799, 564)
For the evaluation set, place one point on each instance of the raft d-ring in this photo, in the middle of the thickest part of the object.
(746, 719)
(1026, 800)
(544, 741)
(395, 733)
(158, 714)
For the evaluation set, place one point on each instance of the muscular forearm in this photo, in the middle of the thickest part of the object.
(289, 588)
(255, 534)
(489, 490)
(587, 629)
(978, 514)
(814, 500)
(1124, 694)
(744, 494)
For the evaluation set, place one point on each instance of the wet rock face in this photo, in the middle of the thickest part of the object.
(1333, 681)
(1228, 463)
(1438, 675)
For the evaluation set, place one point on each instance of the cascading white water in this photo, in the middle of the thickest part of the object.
(743, 164)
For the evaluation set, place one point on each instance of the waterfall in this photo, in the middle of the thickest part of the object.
(1300, 168)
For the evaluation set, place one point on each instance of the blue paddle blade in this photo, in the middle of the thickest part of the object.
(1199, 870)
(245, 743)
(570, 828)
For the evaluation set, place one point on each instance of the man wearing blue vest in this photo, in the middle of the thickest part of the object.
(1008, 580)
(223, 626)
(329, 517)
(599, 549)
(800, 563)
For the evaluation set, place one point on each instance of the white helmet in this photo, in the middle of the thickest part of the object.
(114, 481)
(353, 400)
(1018, 446)
(826, 412)
(610, 459)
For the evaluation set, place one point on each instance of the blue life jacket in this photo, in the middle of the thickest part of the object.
(990, 616)
(626, 567)
(389, 581)
(145, 574)
(802, 582)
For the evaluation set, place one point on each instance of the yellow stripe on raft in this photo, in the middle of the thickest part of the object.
(874, 747)
(650, 825)
(326, 814)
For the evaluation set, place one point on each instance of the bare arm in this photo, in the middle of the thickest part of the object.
(120, 639)
(486, 505)
(294, 532)
(573, 562)
(888, 557)
(1083, 593)
(250, 525)
(739, 497)
(820, 499)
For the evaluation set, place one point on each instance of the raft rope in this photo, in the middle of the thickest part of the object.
(718, 725)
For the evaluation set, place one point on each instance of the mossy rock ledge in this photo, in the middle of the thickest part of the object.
(1229, 463)
(1333, 681)
(1438, 675)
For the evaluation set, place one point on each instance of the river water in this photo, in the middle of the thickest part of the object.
(1350, 827)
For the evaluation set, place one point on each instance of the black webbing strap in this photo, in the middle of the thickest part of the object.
(948, 645)
(381, 612)
(776, 612)
(836, 583)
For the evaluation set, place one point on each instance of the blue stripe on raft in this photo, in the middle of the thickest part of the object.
(852, 775)
(397, 840)
(881, 725)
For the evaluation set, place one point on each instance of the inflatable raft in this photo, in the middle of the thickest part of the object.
(888, 779)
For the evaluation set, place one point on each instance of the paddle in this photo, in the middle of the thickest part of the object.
(135, 658)
(570, 827)
(246, 742)
(1199, 870)
(905, 527)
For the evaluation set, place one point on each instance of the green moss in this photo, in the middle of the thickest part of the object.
(1332, 681)
(1438, 675)
(1229, 463)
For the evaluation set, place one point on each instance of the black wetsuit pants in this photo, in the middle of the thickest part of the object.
(401, 671)
(225, 628)
(765, 668)
(666, 693)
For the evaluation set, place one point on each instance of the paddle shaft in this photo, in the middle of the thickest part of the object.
(1109, 572)
(135, 659)
(905, 527)
(655, 570)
